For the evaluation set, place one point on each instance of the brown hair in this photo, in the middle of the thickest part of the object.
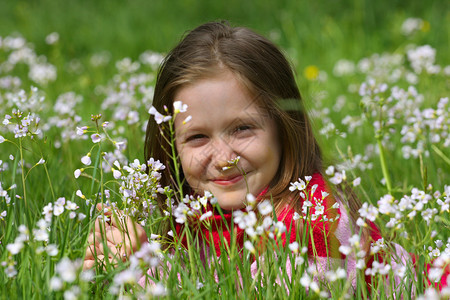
(264, 70)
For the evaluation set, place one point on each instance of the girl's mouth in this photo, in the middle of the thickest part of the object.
(228, 180)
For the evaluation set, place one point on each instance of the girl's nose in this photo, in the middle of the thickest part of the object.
(223, 154)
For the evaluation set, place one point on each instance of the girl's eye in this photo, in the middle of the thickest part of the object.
(195, 137)
(243, 131)
(242, 128)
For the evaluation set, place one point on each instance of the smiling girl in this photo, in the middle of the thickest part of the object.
(244, 106)
(243, 102)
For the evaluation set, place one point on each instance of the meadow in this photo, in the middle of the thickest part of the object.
(76, 85)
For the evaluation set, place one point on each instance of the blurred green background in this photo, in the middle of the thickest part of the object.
(320, 31)
(313, 33)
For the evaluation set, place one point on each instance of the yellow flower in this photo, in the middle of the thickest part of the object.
(311, 72)
(425, 26)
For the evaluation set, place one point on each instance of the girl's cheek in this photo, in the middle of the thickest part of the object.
(192, 162)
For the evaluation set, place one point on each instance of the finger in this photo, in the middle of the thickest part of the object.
(94, 237)
(106, 209)
(100, 225)
(97, 237)
(108, 248)
(114, 253)
(88, 264)
(93, 251)
(101, 247)
(133, 233)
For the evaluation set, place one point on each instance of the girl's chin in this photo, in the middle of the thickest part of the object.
(228, 205)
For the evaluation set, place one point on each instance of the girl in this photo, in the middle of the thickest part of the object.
(245, 131)
(244, 102)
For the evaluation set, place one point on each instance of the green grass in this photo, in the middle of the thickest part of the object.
(312, 33)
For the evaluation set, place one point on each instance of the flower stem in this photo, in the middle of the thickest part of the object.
(174, 158)
(441, 154)
(384, 165)
(23, 173)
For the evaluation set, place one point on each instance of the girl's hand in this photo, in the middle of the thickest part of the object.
(120, 235)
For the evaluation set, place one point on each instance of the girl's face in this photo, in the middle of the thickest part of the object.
(226, 123)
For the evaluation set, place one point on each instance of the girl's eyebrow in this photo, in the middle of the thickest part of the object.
(257, 118)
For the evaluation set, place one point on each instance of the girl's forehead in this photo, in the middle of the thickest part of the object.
(227, 116)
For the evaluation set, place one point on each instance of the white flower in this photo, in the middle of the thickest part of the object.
(354, 240)
(188, 118)
(249, 246)
(329, 171)
(357, 181)
(305, 280)
(81, 130)
(335, 205)
(80, 194)
(299, 260)
(360, 264)
(199, 284)
(77, 173)
(296, 216)
(58, 210)
(86, 160)
(52, 38)
(116, 174)
(179, 107)
(41, 161)
(158, 290)
(337, 178)
(71, 205)
(10, 271)
(345, 249)
(360, 222)
(400, 271)
(195, 205)
(2, 139)
(67, 269)
(206, 215)
(267, 222)
(279, 228)
(251, 232)
(298, 185)
(56, 283)
(87, 275)
(159, 118)
(126, 276)
(294, 247)
(265, 207)
(72, 293)
(435, 274)
(40, 234)
(15, 247)
(435, 253)
(52, 250)
(96, 138)
(368, 211)
(319, 209)
(250, 198)
(411, 25)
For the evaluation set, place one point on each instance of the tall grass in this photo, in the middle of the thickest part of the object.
(95, 36)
